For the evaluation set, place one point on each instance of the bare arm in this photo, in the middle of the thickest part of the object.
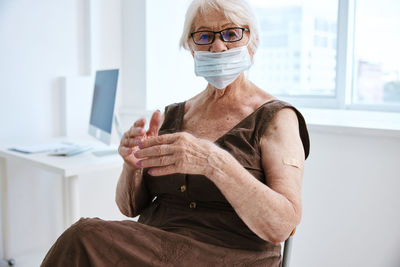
(270, 210)
(131, 195)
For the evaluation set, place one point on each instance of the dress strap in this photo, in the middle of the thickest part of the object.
(173, 116)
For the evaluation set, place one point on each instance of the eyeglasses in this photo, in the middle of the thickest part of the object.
(229, 35)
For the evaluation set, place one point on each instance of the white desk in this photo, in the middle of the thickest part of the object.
(70, 168)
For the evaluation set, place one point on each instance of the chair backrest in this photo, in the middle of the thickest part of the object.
(287, 249)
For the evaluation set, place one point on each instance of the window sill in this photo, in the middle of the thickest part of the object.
(353, 122)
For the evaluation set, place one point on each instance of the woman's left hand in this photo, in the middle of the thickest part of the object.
(175, 153)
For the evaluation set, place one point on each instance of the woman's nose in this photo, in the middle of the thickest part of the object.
(218, 45)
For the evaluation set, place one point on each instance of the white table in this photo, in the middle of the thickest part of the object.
(70, 168)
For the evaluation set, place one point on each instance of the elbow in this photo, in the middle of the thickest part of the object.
(278, 236)
(121, 207)
(285, 226)
(282, 230)
(124, 208)
(127, 211)
(124, 198)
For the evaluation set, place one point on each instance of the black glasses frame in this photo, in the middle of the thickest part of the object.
(220, 34)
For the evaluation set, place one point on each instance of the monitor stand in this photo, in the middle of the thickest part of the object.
(111, 150)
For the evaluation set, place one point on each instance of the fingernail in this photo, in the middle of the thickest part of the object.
(136, 154)
(137, 141)
(141, 145)
(150, 172)
(139, 164)
(127, 150)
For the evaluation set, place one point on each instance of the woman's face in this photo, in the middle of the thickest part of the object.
(213, 20)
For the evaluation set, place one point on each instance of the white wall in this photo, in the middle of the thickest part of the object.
(170, 70)
(41, 42)
(133, 72)
(351, 185)
(351, 201)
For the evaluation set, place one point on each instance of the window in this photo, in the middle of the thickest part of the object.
(376, 76)
(344, 53)
(301, 32)
(323, 54)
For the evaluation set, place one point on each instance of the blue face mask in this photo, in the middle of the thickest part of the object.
(221, 69)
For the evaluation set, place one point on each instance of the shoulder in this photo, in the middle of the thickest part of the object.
(282, 140)
(171, 118)
(283, 120)
(282, 130)
(284, 125)
(173, 107)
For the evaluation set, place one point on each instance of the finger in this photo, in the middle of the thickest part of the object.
(137, 128)
(124, 151)
(155, 151)
(124, 139)
(158, 140)
(128, 141)
(156, 162)
(140, 122)
(155, 124)
(160, 171)
(132, 142)
(136, 131)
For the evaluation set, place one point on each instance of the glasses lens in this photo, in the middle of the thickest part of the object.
(203, 37)
(232, 35)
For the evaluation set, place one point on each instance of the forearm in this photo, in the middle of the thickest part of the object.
(131, 196)
(267, 213)
(271, 214)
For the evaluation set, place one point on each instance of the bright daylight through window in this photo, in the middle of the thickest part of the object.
(301, 42)
(297, 52)
(376, 77)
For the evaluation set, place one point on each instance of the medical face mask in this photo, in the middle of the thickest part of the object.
(221, 68)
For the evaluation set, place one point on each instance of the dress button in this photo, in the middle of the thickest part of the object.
(183, 188)
(192, 205)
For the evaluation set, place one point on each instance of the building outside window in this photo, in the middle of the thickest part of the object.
(299, 55)
(376, 52)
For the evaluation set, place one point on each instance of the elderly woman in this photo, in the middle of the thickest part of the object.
(217, 179)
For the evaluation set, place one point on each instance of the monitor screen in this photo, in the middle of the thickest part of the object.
(102, 113)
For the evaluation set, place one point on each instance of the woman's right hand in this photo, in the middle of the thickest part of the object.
(130, 140)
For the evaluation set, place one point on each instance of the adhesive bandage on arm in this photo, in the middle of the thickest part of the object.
(292, 162)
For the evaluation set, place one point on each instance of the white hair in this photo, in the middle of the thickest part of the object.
(237, 11)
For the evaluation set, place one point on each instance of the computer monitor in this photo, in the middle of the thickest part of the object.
(102, 113)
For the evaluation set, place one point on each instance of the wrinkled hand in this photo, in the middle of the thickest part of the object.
(175, 153)
(131, 138)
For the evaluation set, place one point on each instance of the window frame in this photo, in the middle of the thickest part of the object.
(345, 70)
(388, 107)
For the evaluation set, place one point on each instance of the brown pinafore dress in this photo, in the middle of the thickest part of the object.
(188, 222)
